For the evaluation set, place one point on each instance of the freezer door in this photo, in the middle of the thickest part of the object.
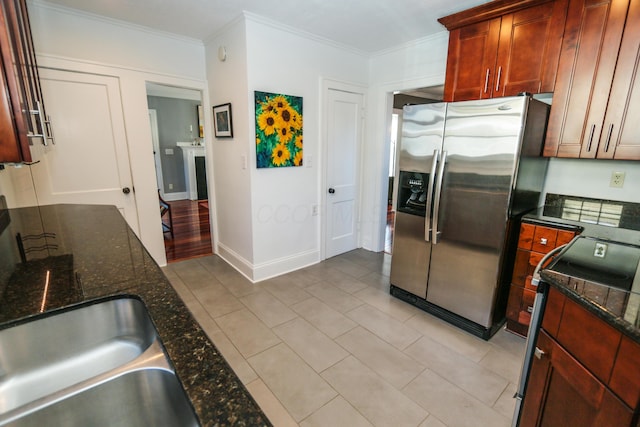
(481, 145)
(422, 132)
(410, 259)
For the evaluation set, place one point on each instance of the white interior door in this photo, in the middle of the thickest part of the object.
(344, 133)
(89, 163)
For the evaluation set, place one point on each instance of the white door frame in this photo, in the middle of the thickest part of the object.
(382, 98)
(153, 119)
(328, 84)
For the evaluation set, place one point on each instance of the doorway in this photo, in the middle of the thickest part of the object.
(179, 149)
(416, 96)
(78, 169)
(344, 112)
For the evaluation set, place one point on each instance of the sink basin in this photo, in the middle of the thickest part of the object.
(85, 359)
(149, 397)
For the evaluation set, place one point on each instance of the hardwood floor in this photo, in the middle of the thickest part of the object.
(388, 236)
(191, 231)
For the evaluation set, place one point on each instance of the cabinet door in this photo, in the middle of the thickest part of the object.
(562, 392)
(10, 151)
(621, 125)
(529, 49)
(471, 60)
(14, 142)
(590, 48)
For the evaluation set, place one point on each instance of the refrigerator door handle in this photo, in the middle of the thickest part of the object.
(432, 176)
(436, 203)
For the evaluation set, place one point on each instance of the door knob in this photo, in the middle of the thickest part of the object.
(126, 190)
(331, 191)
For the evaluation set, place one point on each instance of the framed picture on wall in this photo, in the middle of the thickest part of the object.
(222, 124)
(278, 130)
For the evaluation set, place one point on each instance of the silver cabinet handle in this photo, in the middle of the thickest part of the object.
(486, 81)
(436, 203)
(606, 146)
(539, 353)
(50, 130)
(37, 113)
(432, 176)
(43, 126)
(498, 78)
(593, 129)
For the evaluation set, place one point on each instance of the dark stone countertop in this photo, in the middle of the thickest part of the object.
(626, 230)
(615, 320)
(90, 252)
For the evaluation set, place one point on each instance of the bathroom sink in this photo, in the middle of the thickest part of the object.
(107, 349)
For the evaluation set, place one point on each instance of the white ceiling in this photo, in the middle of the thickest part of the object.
(366, 25)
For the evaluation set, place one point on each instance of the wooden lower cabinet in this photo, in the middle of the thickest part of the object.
(562, 392)
(589, 378)
(533, 243)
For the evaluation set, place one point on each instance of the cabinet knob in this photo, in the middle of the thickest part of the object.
(331, 191)
(539, 353)
(126, 190)
(543, 241)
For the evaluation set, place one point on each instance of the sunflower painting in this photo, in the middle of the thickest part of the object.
(278, 130)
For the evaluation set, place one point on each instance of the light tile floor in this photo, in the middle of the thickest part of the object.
(329, 346)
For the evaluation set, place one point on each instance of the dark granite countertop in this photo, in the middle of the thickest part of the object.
(90, 252)
(615, 221)
(611, 317)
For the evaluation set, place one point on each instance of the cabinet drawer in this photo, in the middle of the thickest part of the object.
(564, 236)
(544, 239)
(526, 236)
(534, 259)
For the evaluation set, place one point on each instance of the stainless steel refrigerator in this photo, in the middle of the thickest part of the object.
(467, 172)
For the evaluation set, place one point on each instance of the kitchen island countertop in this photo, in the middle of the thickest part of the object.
(89, 252)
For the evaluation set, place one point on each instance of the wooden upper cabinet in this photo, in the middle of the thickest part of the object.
(22, 115)
(472, 55)
(503, 48)
(621, 128)
(597, 93)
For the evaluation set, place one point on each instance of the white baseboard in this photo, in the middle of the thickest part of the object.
(266, 270)
(172, 197)
(277, 267)
(236, 261)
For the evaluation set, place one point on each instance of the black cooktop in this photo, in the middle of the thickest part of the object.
(600, 261)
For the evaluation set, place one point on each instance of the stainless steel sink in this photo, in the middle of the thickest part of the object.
(148, 397)
(83, 360)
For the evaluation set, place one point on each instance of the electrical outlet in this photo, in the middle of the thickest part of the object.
(314, 210)
(617, 179)
(170, 186)
(601, 250)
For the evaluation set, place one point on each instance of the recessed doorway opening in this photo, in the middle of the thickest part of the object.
(180, 155)
(417, 96)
